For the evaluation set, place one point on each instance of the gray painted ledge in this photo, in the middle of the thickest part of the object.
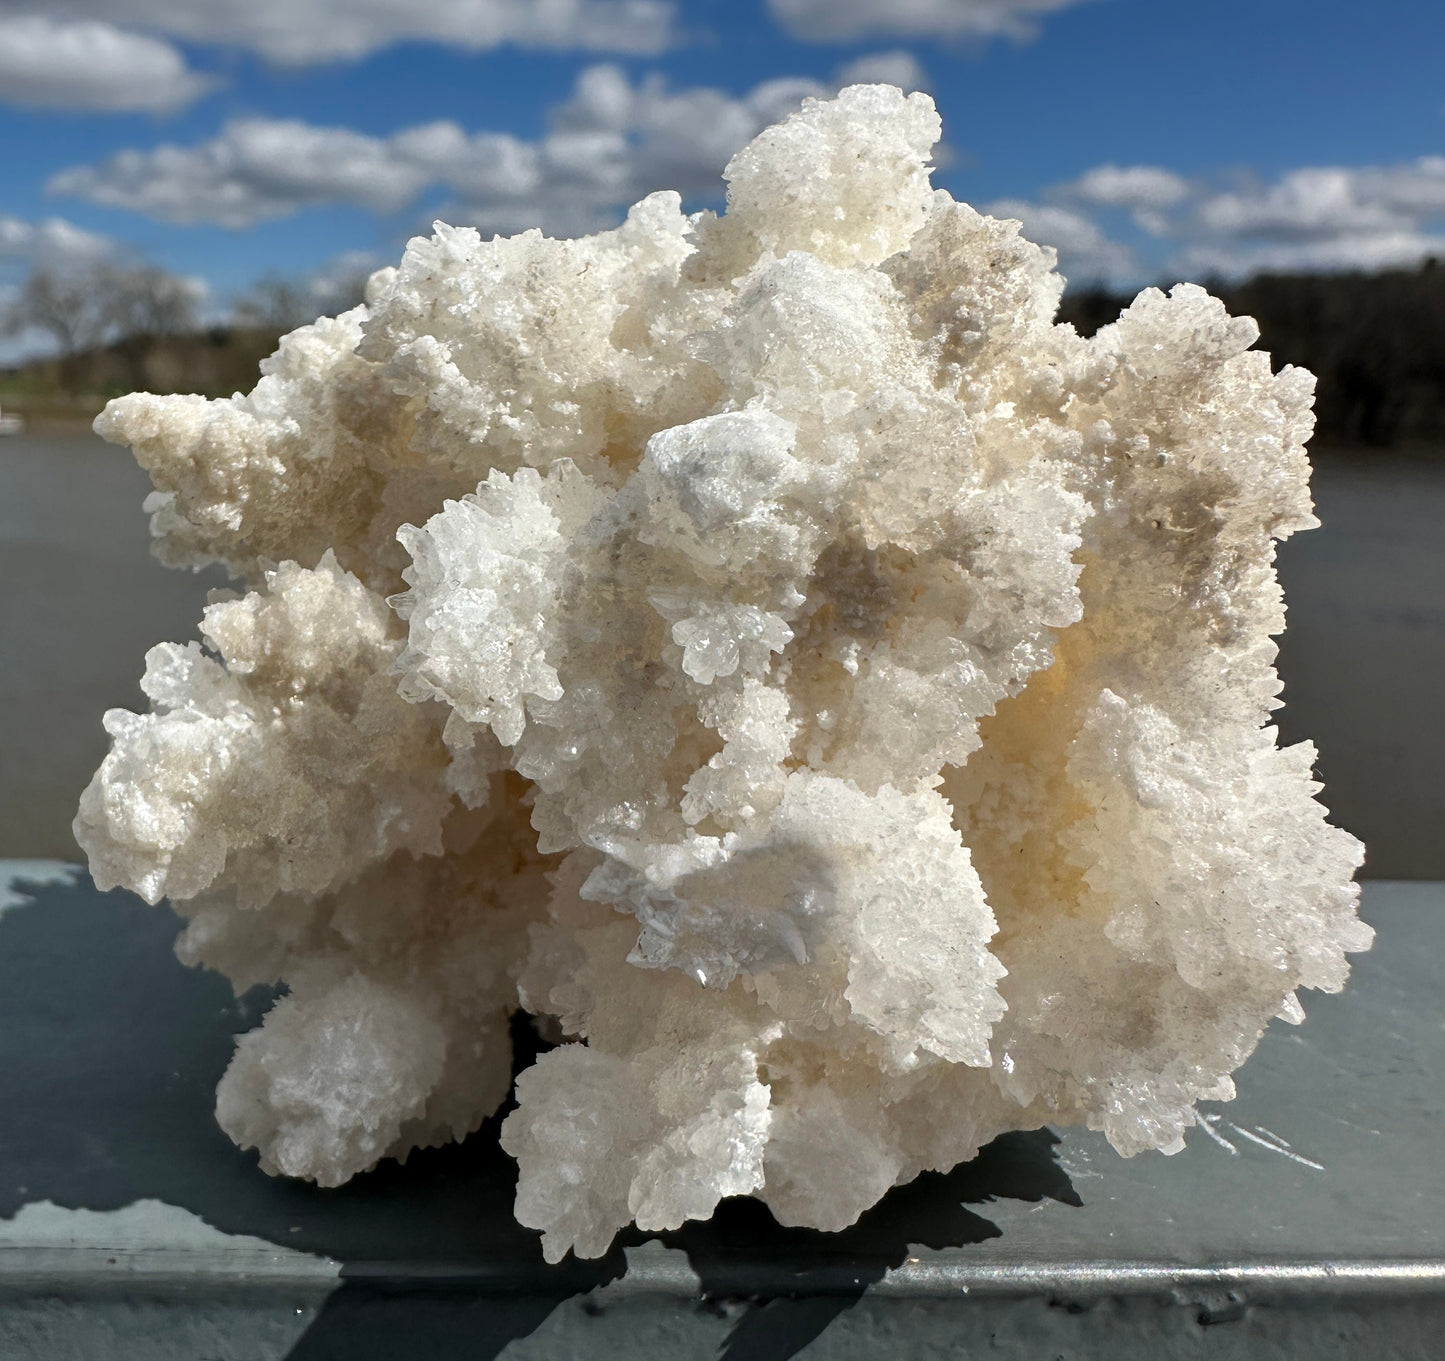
(1304, 1219)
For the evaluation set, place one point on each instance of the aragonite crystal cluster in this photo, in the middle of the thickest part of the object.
(766, 646)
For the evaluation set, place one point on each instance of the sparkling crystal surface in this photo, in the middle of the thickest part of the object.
(765, 646)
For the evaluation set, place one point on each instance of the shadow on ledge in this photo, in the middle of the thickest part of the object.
(111, 1051)
(799, 1280)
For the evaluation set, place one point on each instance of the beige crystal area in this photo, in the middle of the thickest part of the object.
(833, 696)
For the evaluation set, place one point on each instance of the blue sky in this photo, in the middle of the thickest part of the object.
(1146, 139)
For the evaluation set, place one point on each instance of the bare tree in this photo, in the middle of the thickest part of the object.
(276, 303)
(67, 306)
(150, 302)
(108, 302)
(147, 304)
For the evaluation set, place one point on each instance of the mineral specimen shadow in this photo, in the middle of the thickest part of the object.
(799, 1280)
(111, 1050)
(792, 1282)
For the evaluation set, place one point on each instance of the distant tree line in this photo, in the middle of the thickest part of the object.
(276, 303)
(118, 327)
(126, 307)
(1376, 342)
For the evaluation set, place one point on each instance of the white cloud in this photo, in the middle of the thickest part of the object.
(898, 68)
(1327, 202)
(609, 143)
(1086, 255)
(1305, 205)
(91, 65)
(255, 170)
(51, 244)
(1416, 188)
(1128, 186)
(1315, 218)
(295, 32)
(1312, 219)
(848, 20)
(1147, 191)
(1365, 251)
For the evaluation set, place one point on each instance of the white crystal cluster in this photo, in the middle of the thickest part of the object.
(766, 646)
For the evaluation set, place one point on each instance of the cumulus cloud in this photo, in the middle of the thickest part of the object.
(610, 143)
(1128, 186)
(849, 20)
(1366, 251)
(256, 169)
(898, 68)
(1086, 254)
(1316, 204)
(296, 32)
(1315, 218)
(1146, 191)
(49, 63)
(52, 243)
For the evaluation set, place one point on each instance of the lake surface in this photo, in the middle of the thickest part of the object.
(1363, 661)
(82, 601)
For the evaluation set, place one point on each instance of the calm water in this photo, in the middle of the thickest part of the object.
(1364, 656)
(83, 600)
(1362, 662)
